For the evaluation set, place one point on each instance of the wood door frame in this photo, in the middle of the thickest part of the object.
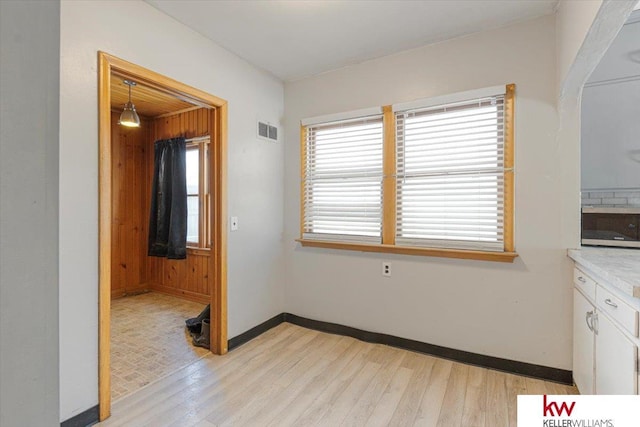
(107, 64)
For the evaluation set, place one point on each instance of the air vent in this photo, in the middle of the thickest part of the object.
(267, 131)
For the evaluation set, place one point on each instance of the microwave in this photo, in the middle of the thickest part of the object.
(611, 226)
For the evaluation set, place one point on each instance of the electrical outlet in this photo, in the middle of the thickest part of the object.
(234, 223)
(386, 268)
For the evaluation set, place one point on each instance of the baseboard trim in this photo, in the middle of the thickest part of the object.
(87, 418)
(505, 365)
(180, 293)
(521, 368)
(263, 327)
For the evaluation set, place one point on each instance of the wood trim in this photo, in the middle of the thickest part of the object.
(173, 113)
(104, 236)
(198, 251)
(389, 181)
(218, 262)
(108, 64)
(188, 295)
(303, 176)
(409, 250)
(162, 83)
(509, 190)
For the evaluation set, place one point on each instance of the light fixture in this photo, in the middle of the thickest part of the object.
(129, 117)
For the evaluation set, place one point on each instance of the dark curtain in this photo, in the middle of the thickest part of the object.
(168, 218)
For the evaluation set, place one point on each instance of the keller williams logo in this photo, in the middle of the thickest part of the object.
(548, 408)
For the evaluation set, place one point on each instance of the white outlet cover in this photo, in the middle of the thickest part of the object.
(386, 269)
(234, 223)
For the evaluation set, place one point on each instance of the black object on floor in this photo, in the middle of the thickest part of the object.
(202, 340)
(195, 323)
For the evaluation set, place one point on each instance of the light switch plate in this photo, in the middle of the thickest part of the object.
(234, 223)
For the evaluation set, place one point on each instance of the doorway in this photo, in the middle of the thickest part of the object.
(210, 248)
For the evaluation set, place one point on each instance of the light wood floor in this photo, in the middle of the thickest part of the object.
(291, 376)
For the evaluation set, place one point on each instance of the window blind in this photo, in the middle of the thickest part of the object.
(450, 175)
(342, 182)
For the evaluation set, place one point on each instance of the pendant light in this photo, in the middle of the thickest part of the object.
(129, 117)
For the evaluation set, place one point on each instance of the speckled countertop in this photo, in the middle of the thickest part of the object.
(619, 267)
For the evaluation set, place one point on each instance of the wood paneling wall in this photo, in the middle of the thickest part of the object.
(130, 151)
(186, 278)
(132, 271)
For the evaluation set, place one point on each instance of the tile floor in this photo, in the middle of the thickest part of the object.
(149, 340)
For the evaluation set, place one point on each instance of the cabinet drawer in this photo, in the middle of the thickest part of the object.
(585, 283)
(624, 314)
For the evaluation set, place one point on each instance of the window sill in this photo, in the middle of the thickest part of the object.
(198, 251)
(409, 250)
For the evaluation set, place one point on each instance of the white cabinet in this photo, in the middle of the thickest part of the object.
(583, 343)
(605, 346)
(615, 359)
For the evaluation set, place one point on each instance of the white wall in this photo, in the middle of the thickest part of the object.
(137, 32)
(574, 21)
(519, 311)
(610, 129)
(29, 116)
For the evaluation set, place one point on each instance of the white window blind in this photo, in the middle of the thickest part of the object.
(450, 175)
(342, 180)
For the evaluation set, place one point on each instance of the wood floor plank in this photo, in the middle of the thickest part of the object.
(347, 398)
(386, 406)
(258, 383)
(304, 400)
(535, 386)
(330, 395)
(475, 402)
(185, 377)
(364, 407)
(407, 408)
(291, 376)
(218, 396)
(454, 398)
(560, 388)
(433, 397)
(516, 385)
(289, 396)
(304, 368)
(210, 386)
(497, 404)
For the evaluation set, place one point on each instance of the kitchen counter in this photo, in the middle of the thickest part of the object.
(619, 267)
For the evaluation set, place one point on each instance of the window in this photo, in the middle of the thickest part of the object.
(343, 180)
(197, 193)
(431, 177)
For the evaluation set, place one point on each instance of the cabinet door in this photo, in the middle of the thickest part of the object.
(583, 343)
(615, 360)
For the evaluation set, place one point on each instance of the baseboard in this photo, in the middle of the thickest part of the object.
(521, 368)
(87, 418)
(505, 365)
(180, 293)
(247, 336)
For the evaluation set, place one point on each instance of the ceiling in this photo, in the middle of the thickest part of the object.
(294, 39)
(148, 101)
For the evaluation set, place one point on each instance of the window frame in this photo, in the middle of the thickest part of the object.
(389, 199)
(204, 239)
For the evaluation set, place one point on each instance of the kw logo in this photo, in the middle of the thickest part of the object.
(548, 408)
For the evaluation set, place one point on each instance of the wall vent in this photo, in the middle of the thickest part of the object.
(268, 132)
